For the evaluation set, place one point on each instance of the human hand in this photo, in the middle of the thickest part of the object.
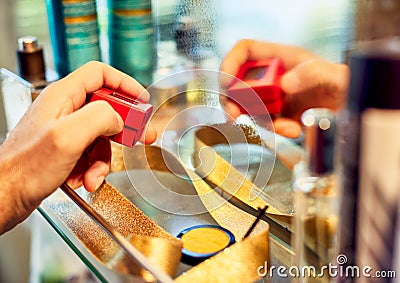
(309, 81)
(57, 140)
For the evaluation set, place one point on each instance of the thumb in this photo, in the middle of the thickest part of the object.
(316, 73)
(94, 119)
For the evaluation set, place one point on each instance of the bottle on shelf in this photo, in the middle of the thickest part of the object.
(316, 198)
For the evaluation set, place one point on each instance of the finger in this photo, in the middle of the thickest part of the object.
(69, 93)
(99, 165)
(74, 182)
(95, 75)
(316, 73)
(83, 126)
(75, 178)
(247, 49)
(149, 135)
(287, 127)
(95, 175)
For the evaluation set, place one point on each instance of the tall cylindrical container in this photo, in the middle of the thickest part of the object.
(316, 198)
(74, 33)
(370, 149)
(131, 38)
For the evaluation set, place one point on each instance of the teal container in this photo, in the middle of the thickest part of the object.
(74, 33)
(130, 5)
(131, 39)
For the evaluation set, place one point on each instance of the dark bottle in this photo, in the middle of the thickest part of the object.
(369, 131)
(30, 59)
(31, 65)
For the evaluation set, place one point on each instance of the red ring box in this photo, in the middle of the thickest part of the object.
(257, 87)
(134, 113)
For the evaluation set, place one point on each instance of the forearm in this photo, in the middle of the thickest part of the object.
(13, 209)
(23, 183)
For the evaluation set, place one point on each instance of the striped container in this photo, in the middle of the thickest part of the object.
(74, 33)
(131, 38)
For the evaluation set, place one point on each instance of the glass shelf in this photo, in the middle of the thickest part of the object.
(64, 216)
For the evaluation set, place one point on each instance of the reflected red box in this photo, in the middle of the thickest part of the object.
(259, 82)
(134, 113)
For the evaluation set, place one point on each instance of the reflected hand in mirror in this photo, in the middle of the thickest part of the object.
(309, 81)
